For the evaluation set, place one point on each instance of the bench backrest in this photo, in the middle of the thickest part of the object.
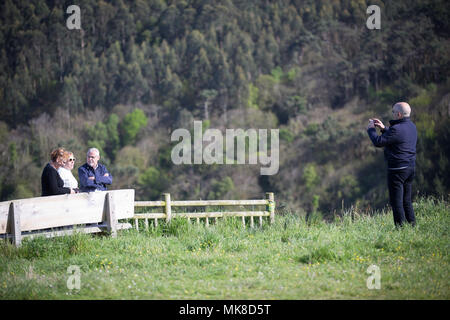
(70, 209)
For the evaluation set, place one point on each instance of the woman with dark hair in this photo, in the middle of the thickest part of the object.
(52, 184)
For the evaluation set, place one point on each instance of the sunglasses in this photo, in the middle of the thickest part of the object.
(72, 159)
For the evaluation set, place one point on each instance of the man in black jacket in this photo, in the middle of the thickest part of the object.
(399, 142)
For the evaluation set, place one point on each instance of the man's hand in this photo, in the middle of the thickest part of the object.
(91, 178)
(378, 123)
(106, 175)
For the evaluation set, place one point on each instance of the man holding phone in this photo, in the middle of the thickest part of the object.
(399, 142)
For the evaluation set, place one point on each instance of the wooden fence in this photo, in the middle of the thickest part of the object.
(167, 215)
(100, 211)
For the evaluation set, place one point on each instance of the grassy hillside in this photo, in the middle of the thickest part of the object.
(290, 259)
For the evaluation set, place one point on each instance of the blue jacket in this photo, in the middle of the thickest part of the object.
(99, 183)
(399, 142)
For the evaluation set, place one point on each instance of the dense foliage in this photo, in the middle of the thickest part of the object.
(137, 70)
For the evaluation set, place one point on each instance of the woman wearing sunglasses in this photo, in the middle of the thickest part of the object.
(65, 172)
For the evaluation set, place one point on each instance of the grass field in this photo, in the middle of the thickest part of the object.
(287, 260)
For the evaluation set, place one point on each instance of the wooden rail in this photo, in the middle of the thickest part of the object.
(167, 204)
(101, 211)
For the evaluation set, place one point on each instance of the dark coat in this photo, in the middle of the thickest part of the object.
(100, 181)
(51, 182)
(399, 142)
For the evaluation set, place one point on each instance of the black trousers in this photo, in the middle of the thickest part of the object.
(400, 195)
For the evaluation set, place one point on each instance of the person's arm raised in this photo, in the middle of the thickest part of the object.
(378, 123)
(389, 136)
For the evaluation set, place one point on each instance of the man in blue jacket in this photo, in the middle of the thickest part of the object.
(93, 175)
(399, 142)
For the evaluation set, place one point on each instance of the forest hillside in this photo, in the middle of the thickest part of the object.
(138, 70)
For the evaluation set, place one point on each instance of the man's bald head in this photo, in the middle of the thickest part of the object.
(403, 108)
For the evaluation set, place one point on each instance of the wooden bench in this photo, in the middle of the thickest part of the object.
(83, 212)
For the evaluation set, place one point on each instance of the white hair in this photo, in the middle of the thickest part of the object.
(403, 108)
(95, 150)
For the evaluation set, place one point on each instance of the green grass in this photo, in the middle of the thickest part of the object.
(287, 260)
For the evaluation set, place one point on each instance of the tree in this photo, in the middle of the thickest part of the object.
(70, 97)
(310, 176)
(130, 126)
(153, 182)
(98, 136)
(201, 69)
(221, 188)
(113, 142)
(208, 95)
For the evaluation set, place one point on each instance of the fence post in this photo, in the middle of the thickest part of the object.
(111, 221)
(271, 206)
(167, 209)
(16, 233)
(136, 224)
